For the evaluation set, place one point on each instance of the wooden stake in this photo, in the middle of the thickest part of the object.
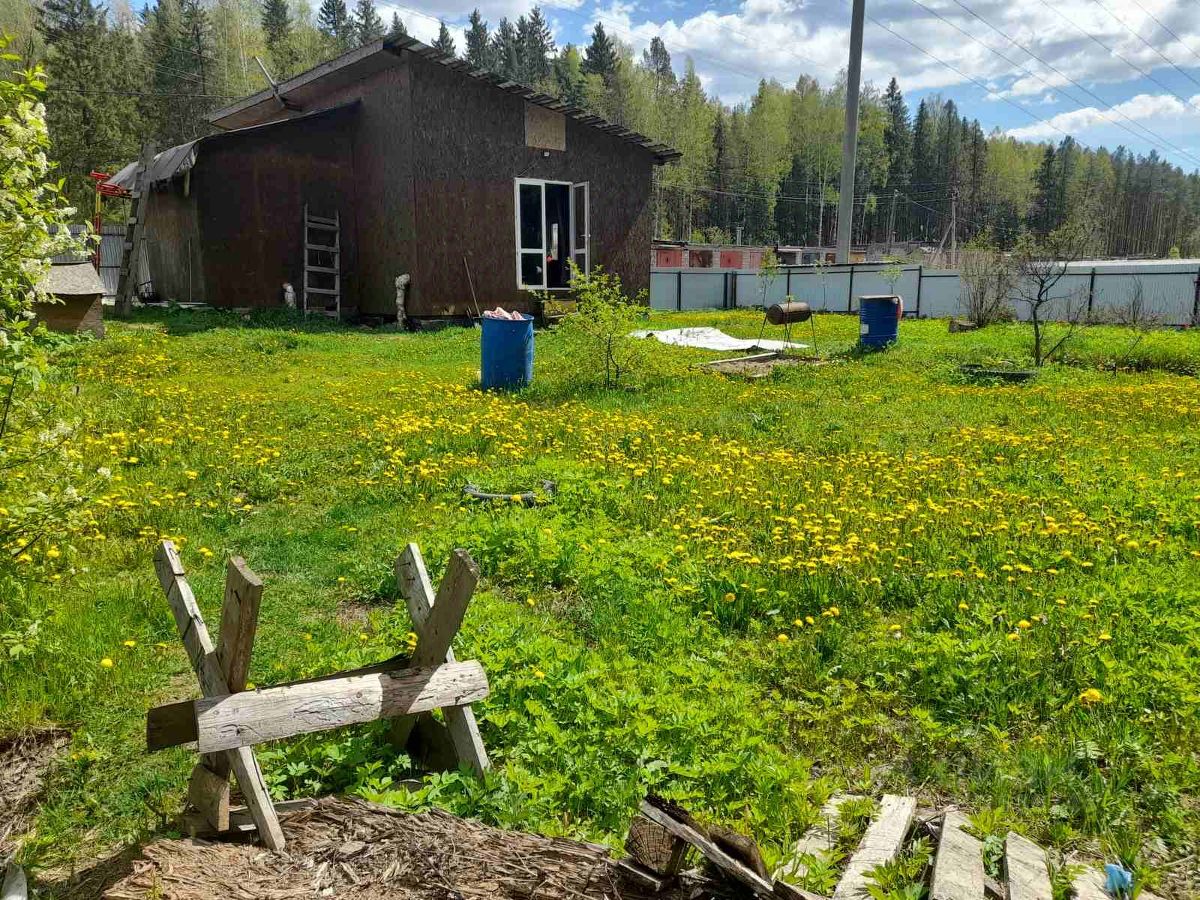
(412, 579)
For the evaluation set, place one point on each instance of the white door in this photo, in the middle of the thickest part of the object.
(580, 222)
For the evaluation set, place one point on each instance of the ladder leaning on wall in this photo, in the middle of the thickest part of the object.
(322, 269)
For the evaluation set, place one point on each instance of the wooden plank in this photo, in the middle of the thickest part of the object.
(255, 717)
(1028, 875)
(883, 840)
(15, 887)
(412, 579)
(174, 724)
(653, 847)
(208, 791)
(958, 866)
(1089, 885)
(718, 857)
(194, 634)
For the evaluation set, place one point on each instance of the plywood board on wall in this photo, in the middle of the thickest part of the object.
(545, 128)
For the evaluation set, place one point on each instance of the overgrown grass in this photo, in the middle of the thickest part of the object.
(872, 573)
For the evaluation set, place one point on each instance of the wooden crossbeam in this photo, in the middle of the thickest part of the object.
(203, 655)
(437, 620)
(269, 714)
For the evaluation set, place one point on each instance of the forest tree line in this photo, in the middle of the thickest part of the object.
(763, 171)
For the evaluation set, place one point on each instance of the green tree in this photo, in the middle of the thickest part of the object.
(277, 32)
(535, 43)
(657, 61)
(397, 29)
(505, 52)
(479, 45)
(569, 80)
(333, 21)
(444, 42)
(600, 57)
(92, 123)
(367, 24)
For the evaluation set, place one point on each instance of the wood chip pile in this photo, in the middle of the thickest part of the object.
(352, 849)
(24, 761)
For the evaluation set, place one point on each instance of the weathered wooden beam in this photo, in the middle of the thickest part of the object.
(883, 840)
(412, 579)
(653, 847)
(194, 634)
(174, 724)
(208, 791)
(958, 865)
(269, 714)
(819, 838)
(1028, 875)
(239, 623)
(718, 857)
(1089, 885)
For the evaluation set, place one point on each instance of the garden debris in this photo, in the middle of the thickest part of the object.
(501, 313)
(523, 497)
(714, 339)
(24, 761)
(999, 373)
(353, 849)
(760, 365)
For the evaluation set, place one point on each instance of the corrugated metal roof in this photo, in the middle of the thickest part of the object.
(167, 164)
(72, 280)
(363, 55)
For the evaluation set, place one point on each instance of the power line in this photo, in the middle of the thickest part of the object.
(1101, 43)
(148, 94)
(1161, 25)
(1154, 137)
(1162, 55)
(1088, 91)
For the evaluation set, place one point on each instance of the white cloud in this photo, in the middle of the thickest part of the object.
(1136, 109)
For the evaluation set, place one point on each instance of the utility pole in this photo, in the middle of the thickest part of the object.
(954, 228)
(892, 222)
(850, 140)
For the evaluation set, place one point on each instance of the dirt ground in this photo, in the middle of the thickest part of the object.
(24, 761)
(351, 849)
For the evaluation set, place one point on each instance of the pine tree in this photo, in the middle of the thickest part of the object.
(924, 164)
(657, 61)
(569, 81)
(479, 51)
(444, 42)
(397, 30)
(1041, 214)
(506, 55)
(277, 31)
(367, 24)
(85, 59)
(600, 57)
(897, 136)
(333, 21)
(535, 43)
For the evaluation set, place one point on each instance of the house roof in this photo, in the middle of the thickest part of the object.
(72, 280)
(377, 55)
(178, 159)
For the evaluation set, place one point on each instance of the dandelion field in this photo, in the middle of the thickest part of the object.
(871, 574)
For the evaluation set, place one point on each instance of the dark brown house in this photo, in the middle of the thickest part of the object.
(417, 165)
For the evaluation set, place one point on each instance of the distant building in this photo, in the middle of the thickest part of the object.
(689, 255)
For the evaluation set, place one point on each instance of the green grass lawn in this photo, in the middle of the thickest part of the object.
(871, 574)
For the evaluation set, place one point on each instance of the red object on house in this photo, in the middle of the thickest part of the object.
(732, 259)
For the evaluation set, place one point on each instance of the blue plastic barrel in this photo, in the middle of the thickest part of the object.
(506, 353)
(879, 320)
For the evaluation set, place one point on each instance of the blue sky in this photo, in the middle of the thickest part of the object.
(1106, 71)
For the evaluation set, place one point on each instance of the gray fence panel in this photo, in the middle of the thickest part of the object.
(939, 295)
(704, 290)
(663, 289)
(1167, 298)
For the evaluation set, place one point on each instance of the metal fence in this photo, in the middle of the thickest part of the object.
(1168, 293)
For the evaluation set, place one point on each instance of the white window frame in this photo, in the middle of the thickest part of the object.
(574, 247)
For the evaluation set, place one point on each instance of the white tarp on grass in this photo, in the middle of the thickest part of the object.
(714, 339)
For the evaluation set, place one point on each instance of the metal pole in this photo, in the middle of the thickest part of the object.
(850, 139)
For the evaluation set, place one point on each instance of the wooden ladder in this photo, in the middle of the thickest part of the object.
(322, 269)
(135, 232)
